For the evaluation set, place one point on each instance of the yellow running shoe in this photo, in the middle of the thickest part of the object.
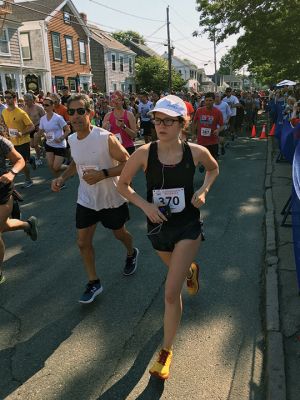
(161, 367)
(192, 280)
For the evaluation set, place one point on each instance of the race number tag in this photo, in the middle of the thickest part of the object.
(119, 137)
(84, 168)
(174, 198)
(50, 136)
(13, 132)
(205, 131)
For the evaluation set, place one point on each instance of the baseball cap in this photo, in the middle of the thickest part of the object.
(170, 105)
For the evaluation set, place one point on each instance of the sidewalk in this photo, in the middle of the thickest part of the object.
(282, 299)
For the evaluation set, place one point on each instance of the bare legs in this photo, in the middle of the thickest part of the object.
(178, 262)
(85, 244)
(55, 163)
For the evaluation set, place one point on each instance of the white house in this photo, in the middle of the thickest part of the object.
(187, 70)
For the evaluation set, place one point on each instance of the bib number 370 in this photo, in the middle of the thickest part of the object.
(174, 198)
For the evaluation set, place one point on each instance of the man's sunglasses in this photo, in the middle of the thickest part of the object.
(80, 111)
(8, 97)
(47, 105)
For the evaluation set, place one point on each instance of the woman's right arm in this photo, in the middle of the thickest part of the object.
(137, 161)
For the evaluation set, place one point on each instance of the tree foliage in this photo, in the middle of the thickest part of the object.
(125, 36)
(227, 65)
(152, 74)
(270, 34)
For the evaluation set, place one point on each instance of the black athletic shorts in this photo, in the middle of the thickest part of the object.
(165, 239)
(130, 149)
(111, 218)
(24, 150)
(147, 126)
(6, 190)
(33, 132)
(213, 149)
(58, 151)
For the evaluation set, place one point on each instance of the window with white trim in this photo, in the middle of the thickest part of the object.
(25, 45)
(130, 64)
(121, 63)
(11, 81)
(82, 52)
(123, 87)
(72, 84)
(69, 49)
(60, 82)
(4, 42)
(56, 46)
(113, 62)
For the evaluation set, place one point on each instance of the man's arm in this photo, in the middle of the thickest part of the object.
(57, 183)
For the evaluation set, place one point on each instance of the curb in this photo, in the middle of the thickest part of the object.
(275, 363)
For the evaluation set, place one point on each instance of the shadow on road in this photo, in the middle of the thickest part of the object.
(155, 387)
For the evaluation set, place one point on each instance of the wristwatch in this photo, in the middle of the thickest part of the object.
(105, 173)
(124, 126)
(13, 172)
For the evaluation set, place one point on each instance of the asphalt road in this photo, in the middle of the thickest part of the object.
(51, 347)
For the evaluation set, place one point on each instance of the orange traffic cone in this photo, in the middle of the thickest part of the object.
(263, 132)
(253, 133)
(272, 131)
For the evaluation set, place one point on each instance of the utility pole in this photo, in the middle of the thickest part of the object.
(169, 54)
(215, 61)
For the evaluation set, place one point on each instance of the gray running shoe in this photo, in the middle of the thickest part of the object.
(32, 231)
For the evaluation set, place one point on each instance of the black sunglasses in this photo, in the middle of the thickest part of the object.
(8, 97)
(47, 105)
(80, 111)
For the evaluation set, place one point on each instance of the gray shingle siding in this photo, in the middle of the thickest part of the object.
(37, 53)
(97, 62)
(14, 57)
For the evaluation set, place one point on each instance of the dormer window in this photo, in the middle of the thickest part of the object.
(67, 18)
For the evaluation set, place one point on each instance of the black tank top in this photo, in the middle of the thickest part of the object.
(181, 175)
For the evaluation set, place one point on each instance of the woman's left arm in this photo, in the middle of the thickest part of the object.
(203, 156)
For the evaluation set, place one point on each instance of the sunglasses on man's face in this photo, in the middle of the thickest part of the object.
(8, 97)
(80, 111)
(47, 105)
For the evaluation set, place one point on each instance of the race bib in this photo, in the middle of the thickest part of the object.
(84, 168)
(13, 132)
(205, 131)
(174, 198)
(119, 137)
(50, 136)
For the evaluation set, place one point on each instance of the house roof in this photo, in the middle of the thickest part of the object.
(33, 10)
(106, 40)
(144, 48)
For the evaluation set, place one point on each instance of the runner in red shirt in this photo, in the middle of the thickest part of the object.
(207, 124)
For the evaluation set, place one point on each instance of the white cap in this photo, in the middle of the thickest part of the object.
(171, 105)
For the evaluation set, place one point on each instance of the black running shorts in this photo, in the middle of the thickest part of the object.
(57, 151)
(111, 218)
(166, 238)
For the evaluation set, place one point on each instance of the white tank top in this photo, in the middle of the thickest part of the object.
(92, 152)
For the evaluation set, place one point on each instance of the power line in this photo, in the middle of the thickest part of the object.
(157, 30)
(195, 58)
(187, 38)
(124, 12)
(44, 13)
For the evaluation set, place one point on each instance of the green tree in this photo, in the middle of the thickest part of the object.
(125, 36)
(152, 74)
(270, 36)
(226, 64)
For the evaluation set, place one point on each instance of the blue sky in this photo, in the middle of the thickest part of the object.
(183, 17)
